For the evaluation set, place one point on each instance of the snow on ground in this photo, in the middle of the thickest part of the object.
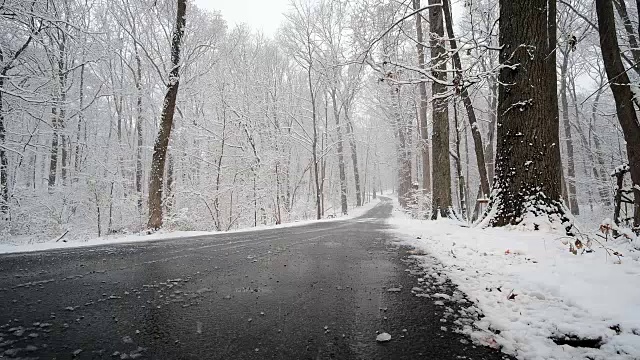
(26, 244)
(532, 290)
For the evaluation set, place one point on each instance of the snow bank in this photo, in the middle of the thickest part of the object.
(26, 244)
(532, 290)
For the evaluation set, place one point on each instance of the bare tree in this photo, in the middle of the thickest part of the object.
(166, 122)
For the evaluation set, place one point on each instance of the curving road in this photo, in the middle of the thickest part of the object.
(317, 291)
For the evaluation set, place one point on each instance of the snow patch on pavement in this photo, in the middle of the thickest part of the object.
(539, 301)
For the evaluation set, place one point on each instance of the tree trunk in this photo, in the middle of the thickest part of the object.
(570, 179)
(422, 110)
(441, 201)
(461, 183)
(4, 163)
(354, 159)
(466, 100)
(314, 147)
(139, 119)
(166, 122)
(53, 163)
(621, 88)
(603, 174)
(527, 182)
(621, 7)
(343, 177)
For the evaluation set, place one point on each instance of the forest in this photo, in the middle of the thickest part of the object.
(125, 116)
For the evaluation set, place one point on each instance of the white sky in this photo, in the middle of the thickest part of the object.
(265, 15)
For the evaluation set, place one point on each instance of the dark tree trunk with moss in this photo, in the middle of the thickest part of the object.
(620, 87)
(441, 161)
(527, 181)
(166, 122)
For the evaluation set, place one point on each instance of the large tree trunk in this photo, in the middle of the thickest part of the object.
(466, 100)
(571, 169)
(621, 88)
(342, 174)
(441, 161)
(422, 110)
(166, 122)
(527, 182)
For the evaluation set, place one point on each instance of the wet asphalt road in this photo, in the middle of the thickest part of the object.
(317, 291)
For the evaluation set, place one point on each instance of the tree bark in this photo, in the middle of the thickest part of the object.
(527, 181)
(571, 169)
(340, 146)
(424, 103)
(441, 201)
(354, 159)
(139, 120)
(166, 122)
(621, 88)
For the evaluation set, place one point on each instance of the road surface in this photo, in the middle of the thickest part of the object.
(318, 291)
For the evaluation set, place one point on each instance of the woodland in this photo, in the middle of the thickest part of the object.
(125, 116)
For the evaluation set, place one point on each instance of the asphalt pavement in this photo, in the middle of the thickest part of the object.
(319, 291)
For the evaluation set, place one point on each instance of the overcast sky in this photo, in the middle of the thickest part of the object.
(265, 15)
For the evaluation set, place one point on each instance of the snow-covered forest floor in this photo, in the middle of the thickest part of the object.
(32, 243)
(539, 300)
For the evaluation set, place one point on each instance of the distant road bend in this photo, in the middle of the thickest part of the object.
(316, 291)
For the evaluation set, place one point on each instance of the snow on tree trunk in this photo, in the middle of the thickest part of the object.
(166, 121)
(527, 187)
(441, 201)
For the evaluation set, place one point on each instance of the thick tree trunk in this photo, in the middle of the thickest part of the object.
(466, 100)
(441, 201)
(424, 103)
(342, 174)
(571, 169)
(621, 88)
(166, 122)
(527, 182)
